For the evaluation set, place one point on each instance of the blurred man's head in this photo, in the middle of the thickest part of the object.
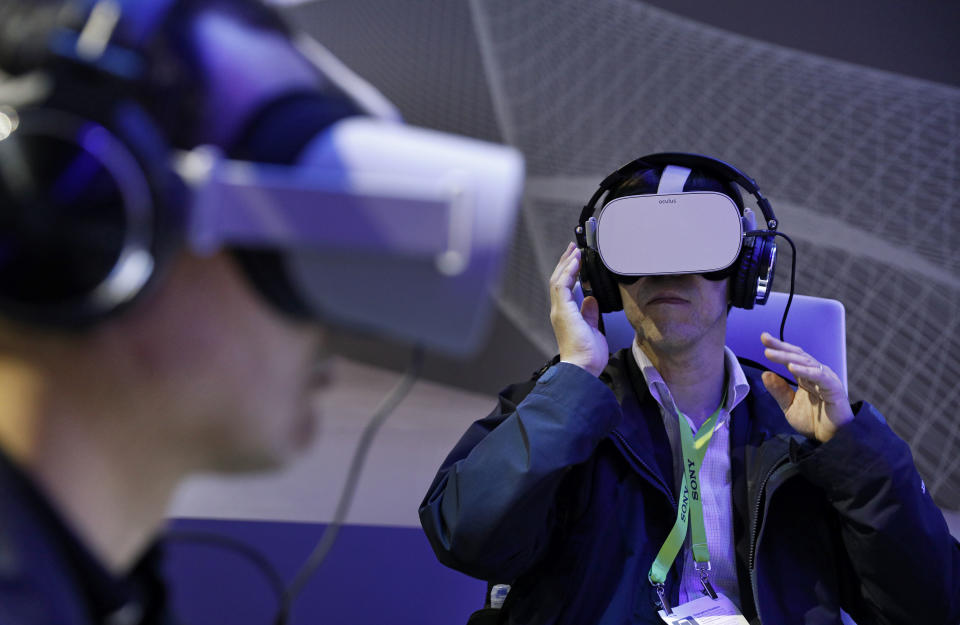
(133, 350)
(190, 193)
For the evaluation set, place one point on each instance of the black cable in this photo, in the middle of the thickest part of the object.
(238, 546)
(793, 280)
(320, 552)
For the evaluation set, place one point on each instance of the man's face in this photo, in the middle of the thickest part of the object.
(237, 379)
(672, 313)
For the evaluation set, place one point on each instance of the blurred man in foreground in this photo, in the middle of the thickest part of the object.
(190, 195)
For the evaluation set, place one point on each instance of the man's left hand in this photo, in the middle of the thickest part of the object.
(819, 406)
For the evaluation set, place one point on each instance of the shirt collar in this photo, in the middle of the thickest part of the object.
(737, 385)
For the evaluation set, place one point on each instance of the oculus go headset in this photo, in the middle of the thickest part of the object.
(674, 231)
(132, 129)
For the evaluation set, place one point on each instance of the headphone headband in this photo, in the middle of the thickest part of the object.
(720, 169)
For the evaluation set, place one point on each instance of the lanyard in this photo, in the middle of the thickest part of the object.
(690, 509)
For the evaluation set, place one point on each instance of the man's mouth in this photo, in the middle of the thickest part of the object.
(667, 298)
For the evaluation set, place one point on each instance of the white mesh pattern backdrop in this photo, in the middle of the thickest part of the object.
(861, 166)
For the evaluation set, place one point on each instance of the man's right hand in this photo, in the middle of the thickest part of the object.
(580, 341)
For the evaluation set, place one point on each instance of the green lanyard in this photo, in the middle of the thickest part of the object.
(690, 509)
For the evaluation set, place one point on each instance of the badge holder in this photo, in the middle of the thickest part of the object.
(662, 594)
(703, 568)
(705, 611)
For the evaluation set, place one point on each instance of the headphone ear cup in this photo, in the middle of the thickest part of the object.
(745, 280)
(602, 286)
(766, 263)
(123, 216)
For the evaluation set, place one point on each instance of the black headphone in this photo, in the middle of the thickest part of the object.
(751, 275)
(91, 209)
(91, 206)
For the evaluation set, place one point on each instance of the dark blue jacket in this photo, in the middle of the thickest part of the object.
(565, 491)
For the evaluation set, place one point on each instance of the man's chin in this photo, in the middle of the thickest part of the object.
(266, 459)
(259, 462)
(672, 337)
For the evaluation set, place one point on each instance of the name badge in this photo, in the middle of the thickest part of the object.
(705, 611)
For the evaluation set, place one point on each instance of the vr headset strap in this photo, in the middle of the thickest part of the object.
(672, 179)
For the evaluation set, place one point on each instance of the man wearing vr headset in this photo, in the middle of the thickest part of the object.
(579, 488)
(163, 308)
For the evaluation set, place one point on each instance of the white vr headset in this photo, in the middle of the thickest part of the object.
(676, 233)
(381, 226)
(670, 232)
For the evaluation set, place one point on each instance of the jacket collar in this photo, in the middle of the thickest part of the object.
(641, 435)
(753, 422)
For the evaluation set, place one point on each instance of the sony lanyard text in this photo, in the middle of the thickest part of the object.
(689, 510)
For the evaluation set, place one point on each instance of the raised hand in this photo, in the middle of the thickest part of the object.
(819, 406)
(578, 338)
